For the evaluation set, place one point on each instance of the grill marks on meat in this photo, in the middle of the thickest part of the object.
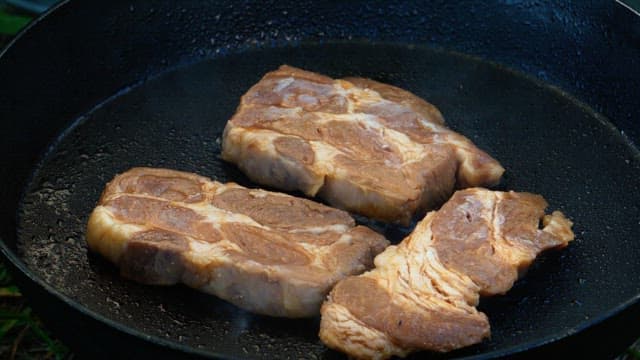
(361, 145)
(266, 252)
(423, 292)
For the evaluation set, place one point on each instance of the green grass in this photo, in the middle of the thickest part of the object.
(634, 351)
(22, 335)
(10, 22)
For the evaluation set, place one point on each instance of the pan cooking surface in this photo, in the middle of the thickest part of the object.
(548, 143)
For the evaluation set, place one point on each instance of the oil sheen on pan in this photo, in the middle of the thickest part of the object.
(160, 124)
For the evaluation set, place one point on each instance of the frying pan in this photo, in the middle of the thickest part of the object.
(547, 87)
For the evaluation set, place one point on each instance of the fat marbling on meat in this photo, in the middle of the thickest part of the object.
(266, 252)
(361, 145)
(422, 294)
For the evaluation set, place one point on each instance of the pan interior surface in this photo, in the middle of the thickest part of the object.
(548, 143)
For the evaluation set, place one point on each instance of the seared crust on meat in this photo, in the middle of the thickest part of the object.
(423, 292)
(361, 145)
(266, 252)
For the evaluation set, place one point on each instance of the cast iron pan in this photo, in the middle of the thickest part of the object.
(98, 89)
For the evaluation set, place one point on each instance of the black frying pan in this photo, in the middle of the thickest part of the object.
(549, 89)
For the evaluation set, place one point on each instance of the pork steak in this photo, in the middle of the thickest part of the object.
(266, 252)
(423, 292)
(361, 145)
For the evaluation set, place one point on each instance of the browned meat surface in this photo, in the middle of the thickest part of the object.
(359, 144)
(266, 252)
(423, 292)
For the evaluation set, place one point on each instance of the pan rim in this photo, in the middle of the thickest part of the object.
(31, 25)
(17, 262)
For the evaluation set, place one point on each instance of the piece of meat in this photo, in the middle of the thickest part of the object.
(423, 292)
(361, 145)
(266, 252)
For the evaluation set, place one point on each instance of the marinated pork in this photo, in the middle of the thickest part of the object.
(361, 145)
(266, 252)
(423, 292)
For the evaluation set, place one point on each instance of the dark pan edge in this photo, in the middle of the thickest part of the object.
(32, 24)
